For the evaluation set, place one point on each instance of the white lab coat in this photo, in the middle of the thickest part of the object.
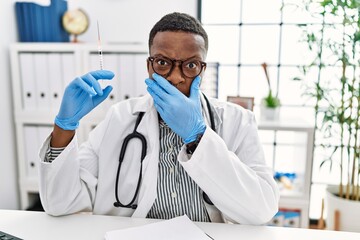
(228, 165)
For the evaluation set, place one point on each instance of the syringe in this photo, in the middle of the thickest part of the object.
(100, 48)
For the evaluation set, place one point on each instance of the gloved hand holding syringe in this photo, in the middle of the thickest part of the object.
(83, 94)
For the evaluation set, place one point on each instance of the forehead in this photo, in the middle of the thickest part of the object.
(179, 45)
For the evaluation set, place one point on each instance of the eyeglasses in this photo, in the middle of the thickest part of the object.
(163, 66)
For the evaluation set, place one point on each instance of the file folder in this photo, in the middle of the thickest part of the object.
(42, 81)
(19, 12)
(43, 132)
(126, 76)
(31, 146)
(94, 64)
(28, 83)
(38, 23)
(111, 63)
(68, 67)
(56, 88)
(140, 74)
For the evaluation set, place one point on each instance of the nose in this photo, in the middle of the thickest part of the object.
(176, 77)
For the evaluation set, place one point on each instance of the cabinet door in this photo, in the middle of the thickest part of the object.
(34, 136)
(286, 152)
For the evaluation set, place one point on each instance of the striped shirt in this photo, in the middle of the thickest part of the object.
(177, 193)
(52, 153)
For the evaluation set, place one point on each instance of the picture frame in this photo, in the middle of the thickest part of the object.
(245, 102)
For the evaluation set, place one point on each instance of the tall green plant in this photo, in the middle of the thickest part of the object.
(337, 107)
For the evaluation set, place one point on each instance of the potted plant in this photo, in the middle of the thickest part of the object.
(337, 103)
(270, 105)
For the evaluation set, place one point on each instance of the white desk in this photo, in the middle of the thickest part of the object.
(40, 226)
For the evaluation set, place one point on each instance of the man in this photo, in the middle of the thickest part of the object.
(200, 158)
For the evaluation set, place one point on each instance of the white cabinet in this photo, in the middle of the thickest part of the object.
(288, 148)
(40, 73)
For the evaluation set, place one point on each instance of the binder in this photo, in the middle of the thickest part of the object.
(58, 9)
(111, 63)
(38, 23)
(47, 22)
(32, 20)
(94, 64)
(42, 81)
(292, 218)
(43, 131)
(141, 74)
(27, 76)
(31, 146)
(28, 22)
(68, 67)
(126, 76)
(20, 21)
(56, 86)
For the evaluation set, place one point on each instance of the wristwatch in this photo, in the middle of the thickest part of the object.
(191, 147)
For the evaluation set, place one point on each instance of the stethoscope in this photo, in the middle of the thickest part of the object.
(136, 134)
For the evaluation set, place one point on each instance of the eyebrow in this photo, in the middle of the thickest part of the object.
(193, 57)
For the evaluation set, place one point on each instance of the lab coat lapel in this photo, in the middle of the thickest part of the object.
(217, 119)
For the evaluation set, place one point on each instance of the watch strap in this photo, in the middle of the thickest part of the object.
(191, 147)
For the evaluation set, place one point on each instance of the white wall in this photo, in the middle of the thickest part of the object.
(127, 20)
(9, 197)
(120, 21)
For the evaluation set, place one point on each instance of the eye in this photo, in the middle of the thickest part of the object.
(161, 62)
(192, 65)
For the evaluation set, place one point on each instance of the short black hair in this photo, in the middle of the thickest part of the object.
(176, 21)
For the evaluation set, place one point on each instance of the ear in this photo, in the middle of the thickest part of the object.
(202, 73)
(148, 64)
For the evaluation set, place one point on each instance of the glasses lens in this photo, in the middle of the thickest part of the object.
(161, 66)
(191, 68)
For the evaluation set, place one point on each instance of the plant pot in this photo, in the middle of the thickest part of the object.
(349, 211)
(269, 114)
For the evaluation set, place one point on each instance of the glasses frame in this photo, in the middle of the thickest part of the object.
(174, 61)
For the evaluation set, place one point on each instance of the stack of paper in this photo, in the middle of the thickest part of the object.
(178, 228)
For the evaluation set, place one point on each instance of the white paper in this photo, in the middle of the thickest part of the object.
(178, 228)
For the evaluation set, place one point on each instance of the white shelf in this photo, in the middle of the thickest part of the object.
(298, 154)
(72, 60)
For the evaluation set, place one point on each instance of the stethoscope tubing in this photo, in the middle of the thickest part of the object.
(136, 134)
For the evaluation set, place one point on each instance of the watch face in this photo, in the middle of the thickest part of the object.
(75, 21)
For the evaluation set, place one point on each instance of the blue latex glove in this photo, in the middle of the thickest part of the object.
(81, 96)
(181, 113)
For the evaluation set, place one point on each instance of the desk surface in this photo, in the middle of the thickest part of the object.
(40, 226)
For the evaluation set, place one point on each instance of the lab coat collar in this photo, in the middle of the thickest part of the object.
(217, 119)
(144, 104)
